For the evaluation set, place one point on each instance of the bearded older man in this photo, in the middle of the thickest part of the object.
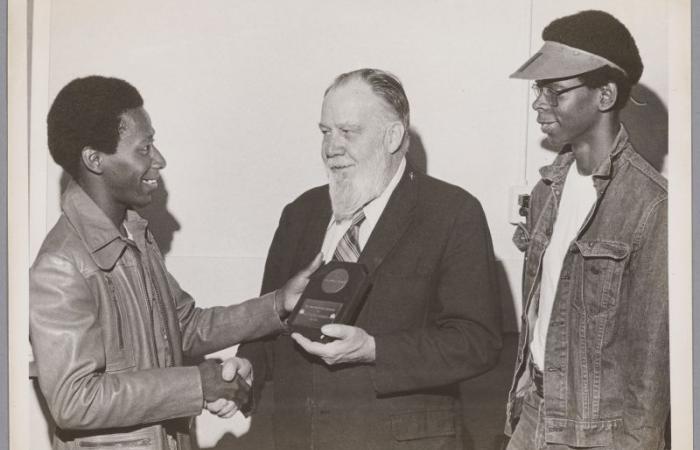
(431, 318)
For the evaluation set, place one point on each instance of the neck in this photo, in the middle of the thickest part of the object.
(591, 152)
(113, 210)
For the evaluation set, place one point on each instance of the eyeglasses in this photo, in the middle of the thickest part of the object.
(551, 96)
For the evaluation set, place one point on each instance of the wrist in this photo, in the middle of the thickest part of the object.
(279, 305)
(371, 349)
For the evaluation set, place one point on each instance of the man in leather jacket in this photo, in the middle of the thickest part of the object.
(592, 368)
(109, 325)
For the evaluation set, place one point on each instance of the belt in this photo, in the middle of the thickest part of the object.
(537, 378)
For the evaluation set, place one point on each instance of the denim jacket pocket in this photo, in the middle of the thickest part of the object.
(602, 265)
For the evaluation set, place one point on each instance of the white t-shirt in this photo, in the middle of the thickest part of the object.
(577, 199)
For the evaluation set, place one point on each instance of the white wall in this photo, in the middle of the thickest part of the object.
(234, 92)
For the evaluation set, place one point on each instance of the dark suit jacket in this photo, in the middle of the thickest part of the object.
(432, 309)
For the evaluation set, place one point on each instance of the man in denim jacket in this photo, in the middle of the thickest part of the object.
(592, 367)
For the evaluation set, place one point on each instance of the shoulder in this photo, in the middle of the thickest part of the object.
(62, 245)
(309, 201)
(441, 196)
(643, 175)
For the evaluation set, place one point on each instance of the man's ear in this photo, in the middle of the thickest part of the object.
(608, 96)
(393, 137)
(92, 159)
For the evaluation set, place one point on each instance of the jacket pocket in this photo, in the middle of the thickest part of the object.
(602, 266)
(423, 424)
(120, 356)
(139, 439)
(126, 444)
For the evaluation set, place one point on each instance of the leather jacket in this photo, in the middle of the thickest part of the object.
(606, 374)
(109, 378)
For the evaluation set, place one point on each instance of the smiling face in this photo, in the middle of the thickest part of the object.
(576, 116)
(354, 123)
(131, 173)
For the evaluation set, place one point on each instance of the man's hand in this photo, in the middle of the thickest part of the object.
(217, 380)
(352, 345)
(288, 295)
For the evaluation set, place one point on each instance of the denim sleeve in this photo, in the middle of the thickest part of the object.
(646, 396)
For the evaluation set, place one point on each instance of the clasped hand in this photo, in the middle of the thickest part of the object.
(217, 385)
(352, 345)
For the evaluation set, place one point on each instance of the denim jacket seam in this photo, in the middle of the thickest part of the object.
(641, 229)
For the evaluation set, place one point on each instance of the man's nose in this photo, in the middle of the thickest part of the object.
(334, 145)
(540, 102)
(158, 159)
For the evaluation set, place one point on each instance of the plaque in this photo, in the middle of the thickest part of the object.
(335, 294)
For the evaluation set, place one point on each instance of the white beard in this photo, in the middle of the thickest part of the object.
(350, 193)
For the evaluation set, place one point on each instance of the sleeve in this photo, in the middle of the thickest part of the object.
(69, 351)
(463, 336)
(646, 377)
(260, 352)
(207, 330)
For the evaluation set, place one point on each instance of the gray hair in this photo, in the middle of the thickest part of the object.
(387, 87)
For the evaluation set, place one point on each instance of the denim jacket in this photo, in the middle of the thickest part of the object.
(606, 374)
(91, 328)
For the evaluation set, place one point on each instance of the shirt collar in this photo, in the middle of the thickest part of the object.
(556, 172)
(374, 209)
(94, 228)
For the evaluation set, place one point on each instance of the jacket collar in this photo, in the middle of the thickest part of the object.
(393, 222)
(103, 240)
(556, 172)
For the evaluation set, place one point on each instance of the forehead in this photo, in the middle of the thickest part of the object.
(353, 100)
(136, 122)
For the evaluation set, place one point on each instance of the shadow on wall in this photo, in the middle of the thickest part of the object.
(416, 155)
(647, 125)
(161, 222)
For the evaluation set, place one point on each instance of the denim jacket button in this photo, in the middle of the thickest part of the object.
(595, 270)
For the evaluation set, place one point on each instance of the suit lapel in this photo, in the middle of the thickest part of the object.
(393, 223)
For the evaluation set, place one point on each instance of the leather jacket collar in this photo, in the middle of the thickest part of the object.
(104, 241)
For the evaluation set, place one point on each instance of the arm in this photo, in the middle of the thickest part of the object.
(646, 376)
(463, 336)
(70, 357)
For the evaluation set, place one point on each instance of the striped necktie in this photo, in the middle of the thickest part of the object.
(348, 249)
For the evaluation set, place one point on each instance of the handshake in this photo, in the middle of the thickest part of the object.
(226, 385)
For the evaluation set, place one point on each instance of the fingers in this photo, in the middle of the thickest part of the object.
(222, 408)
(352, 345)
(233, 365)
(338, 331)
(315, 264)
(228, 410)
(216, 406)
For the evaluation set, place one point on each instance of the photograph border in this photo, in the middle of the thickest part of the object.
(5, 225)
